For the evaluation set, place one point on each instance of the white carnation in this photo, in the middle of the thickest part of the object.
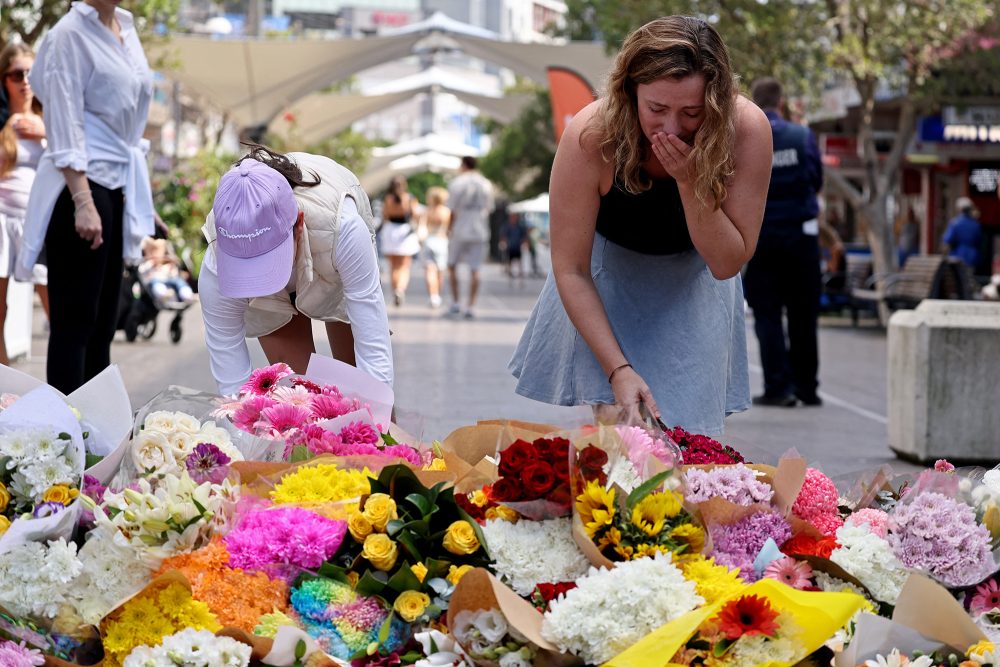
(528, 553)
(610, 610)
(36, 577)
(869, 559)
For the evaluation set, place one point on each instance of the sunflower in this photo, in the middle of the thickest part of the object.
(652, 512)
(612, 538)
(691, 535)
(596, 507)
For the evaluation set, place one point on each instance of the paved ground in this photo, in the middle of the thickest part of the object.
(453, 372)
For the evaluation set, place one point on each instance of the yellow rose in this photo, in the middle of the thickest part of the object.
(60, 493)
(380, 551)
(410, 605)
(420, 570)
(380, 509)
(4, 497)
(503, 512)
(4, 524)
(456, 573)
(479, 498)
(437, 464)
(359, 526)
(460, 539)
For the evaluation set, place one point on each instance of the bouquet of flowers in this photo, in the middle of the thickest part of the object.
(163, 608)
(491, 640)
(533, 478)
(111, 572)
(529, 553)
(610, 610)
(192, 648)
(167, 441)
(41, 467)
(701, 449)
(766, 623)
(407, 537)
(237, 598)
(166, 515)
(36, 577)
(311, 419)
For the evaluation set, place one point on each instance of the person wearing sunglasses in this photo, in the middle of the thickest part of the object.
(657, 197)
(91, 204)
(22, 141)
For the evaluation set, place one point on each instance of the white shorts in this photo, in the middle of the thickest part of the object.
(11, 232)
(466, 252)
(436, 251)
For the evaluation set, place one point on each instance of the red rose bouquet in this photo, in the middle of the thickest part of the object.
(534, 478)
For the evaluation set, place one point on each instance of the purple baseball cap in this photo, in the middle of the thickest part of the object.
(255, 212)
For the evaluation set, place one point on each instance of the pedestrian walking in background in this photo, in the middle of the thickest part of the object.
(22, 141)
(398, 235)
(783, 278)
(656, 199)
(291, 241)
(91, 203)
(433, 233)
(470, 196)
(513, 238)
(963, 236)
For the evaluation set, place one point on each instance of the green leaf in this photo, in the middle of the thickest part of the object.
(394, 526)
(408, 540)
(722, 646)
(300, 649)
(411, 657)
(389, 440)
(404, 580)
(369, 585)
(383, 632)
(436, 568)
(424, 505)
(334, 572)
(646, 488)
(300, 453)
(92, 460)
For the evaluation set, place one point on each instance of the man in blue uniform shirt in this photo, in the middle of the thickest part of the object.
(784, 275)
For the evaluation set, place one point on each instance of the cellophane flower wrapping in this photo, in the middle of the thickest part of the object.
(817, 617)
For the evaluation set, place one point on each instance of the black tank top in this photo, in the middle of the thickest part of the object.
(651, 223)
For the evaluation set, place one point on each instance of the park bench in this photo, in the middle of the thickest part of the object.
(921, 278)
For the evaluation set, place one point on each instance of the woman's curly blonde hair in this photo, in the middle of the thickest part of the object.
(672, 47)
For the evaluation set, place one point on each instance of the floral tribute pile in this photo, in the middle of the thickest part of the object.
(608, 545)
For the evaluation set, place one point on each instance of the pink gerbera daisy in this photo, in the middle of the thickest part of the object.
(263, 380)
(790, 572)
(293, 396)
(328, 406)
(248, 414)
(987, 598)
(227, 408)
(281, 418)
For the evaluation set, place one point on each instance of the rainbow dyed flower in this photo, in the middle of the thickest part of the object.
(343, 622)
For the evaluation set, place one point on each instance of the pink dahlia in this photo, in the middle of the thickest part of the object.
(263, 380)
(280, 418)
(790, 572)
(248, 414)
(986, 598)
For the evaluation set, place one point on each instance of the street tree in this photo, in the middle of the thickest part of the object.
(28, 20)
(900, 44)
(520, 161)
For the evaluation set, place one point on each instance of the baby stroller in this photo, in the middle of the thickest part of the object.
(139, 307)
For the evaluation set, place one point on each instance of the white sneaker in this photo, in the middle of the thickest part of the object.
(435, 301)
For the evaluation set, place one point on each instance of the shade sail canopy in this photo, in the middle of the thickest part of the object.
(321, 115)
(377, 179)
(253, 80)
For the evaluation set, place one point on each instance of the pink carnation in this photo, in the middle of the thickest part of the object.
(877, 520)
(263, 380)
(818, 496)
(249, 413)
(404, 452)
(280, 541)
(827, 523)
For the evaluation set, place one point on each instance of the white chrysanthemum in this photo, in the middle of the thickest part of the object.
(753, 650)
(45, 444)
(870, 560)
(610, 610)
(33, 478)
(14, 445)
(191, 648)
(36, 577)
(894, 659)
(528, 553)
(111, 573)
(624, 474)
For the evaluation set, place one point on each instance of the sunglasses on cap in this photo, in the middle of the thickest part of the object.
(17, 75)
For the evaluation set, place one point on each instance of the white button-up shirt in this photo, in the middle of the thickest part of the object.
(96, 91)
